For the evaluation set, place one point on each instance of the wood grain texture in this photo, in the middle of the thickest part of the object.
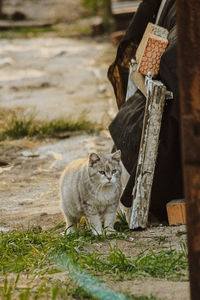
(147, 154)
(176, 212)
(188, 14)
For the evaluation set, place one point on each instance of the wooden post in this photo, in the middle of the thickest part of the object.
(148, 153)
(188, 14)
(1, 6)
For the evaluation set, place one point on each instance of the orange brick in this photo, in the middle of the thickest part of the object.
(150, 49)
(176, 212)
(150, 60)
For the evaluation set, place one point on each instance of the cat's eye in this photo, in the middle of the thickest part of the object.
(114, 171)
(102, 172)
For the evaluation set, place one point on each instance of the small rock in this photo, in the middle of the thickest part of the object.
(44, 214)
(57, 156)
(2, 169)
(27, 153)
(6, 61)
(102, 89)
(25, 203)
(62, 53)
(2, 229)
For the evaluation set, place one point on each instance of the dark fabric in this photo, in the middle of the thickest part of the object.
(118, 72)
(169, 10)
(126, 128)
(146, 13)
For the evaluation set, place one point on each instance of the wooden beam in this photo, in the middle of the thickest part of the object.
(188, 14)
(124, 7)
(148, 153)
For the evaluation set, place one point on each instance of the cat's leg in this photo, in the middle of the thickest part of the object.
(94, 222)
(71, 224)
(109, 219)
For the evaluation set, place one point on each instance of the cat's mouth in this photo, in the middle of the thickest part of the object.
(109, 183)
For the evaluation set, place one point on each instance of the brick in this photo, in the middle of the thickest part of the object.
(150, 60)
(151, 48)
(176, 212)
(151, 29)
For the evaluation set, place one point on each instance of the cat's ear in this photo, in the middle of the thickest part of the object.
(117, 155)
(93, 158)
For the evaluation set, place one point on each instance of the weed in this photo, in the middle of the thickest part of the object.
(161, 239)
(26, 32)
(34, 252)
(19, 125)
(144, 298)
(45, 290)
(121, 222)
(180, 233)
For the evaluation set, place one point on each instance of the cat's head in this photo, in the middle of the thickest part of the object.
(105, 168)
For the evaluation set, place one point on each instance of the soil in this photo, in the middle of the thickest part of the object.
(29, 185)
(56, 77)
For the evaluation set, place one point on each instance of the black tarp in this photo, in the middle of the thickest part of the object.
(126, 128)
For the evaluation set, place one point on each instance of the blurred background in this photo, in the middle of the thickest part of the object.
(55, 99)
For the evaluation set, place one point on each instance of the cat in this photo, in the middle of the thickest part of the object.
(91, 188)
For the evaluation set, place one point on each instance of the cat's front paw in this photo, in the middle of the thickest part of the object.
(96, 232)
(110, 231)
(70, 230)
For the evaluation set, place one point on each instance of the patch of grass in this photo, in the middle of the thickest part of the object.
(19, 126)
(26, 32)
(74, 30)
(161, 239)
(45, 290)
(121, 222)
(98, 7)
(51, 290)
(144, 298)
(34, 252)
(180, 233)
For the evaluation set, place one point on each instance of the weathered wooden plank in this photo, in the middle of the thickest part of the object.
(124, 7)
(148, 153)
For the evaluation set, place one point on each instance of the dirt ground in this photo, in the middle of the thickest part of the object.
(55, 77)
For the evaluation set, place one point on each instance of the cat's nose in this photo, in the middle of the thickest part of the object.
(109, 179)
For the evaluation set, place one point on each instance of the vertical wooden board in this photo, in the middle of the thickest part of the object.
(147, 154)
(188, 14)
